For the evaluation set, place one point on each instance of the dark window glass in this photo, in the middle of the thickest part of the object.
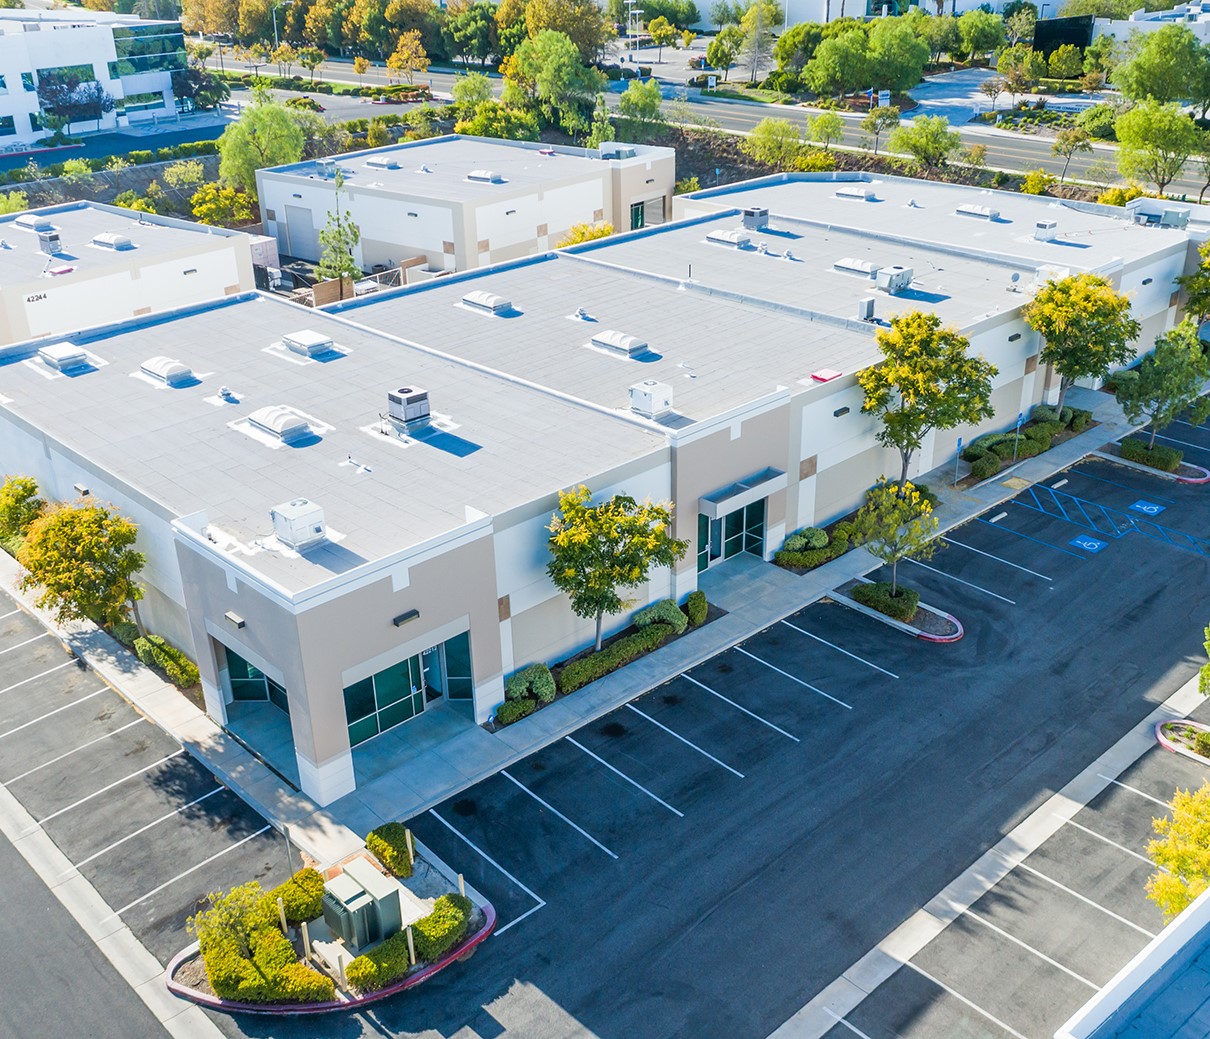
(359, 700)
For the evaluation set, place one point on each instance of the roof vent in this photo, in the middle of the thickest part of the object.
(733, 236)
(651, 398)
(619, 343)
(382, 162)
(894, 279)
(299, 523)
(851, 265)
(307, 343)
(34, 222)
(860, 192)
(64, 356)
(865, 308)
(978, 212)
(281, 422)
(485, 177)
(112, 240)
(168, 371)
(756, 218)
(409, 405)
(1046, 230)
(487, 302)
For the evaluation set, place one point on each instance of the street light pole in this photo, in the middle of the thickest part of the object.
(284, 3)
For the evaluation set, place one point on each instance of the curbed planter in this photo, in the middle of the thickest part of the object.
(1176, 748)
(460, 952)
(910, 629)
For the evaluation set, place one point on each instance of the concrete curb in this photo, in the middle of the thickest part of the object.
(1139, 467)
(909, 629)
(1176, 748)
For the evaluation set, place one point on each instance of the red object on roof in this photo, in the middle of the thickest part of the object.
(826, 375)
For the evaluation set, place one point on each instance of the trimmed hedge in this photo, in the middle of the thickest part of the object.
(807, 559)
(807, 538)
(514, 710)
(1080, 420)
(389, 844)
(697, 607)
(1046, 413)
(665, 611)
(534, 681)
(380, 966)
(985, 466)
(433, 936)
(1167, 459)
(273, 975)
(155, 651)
(302, 895)
(588, 669)
(878, 597)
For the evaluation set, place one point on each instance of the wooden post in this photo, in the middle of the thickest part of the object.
(411, 851)
(411, 947)
(281, 913)
(340, 969)
(461, 886)
(306, 941)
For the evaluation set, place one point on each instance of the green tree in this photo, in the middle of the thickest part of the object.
(1019, 26)
(1160, 65)
(1038, 182)
(775, 142)
(338, 239)
(601, 129)
(131, 199)
(1068, 141)
(264, 135)
(20, 505)
(929, 140)
(878, 121)
(14, 202)
(1167, 382)
(377, 134)
(896, 55)
(221, 206)
(663, 33)
(896, 523)
(840, 64)
(1087, 326)
(796, 46)
(721, 51)
(82, 559)
(599, 551)
(1181, 853)
(578, 233)
(471, 31)
(184, 176)
(1103, 55)
(1196, 286)
(408, 57)
(581, 21)
(470, 91)
(1155, 141)
(757, 28)
(640, 108)
(1066, 62)
(980, 32)
(940, 33)
(926, 381)
(826, 129)
(234, 917)
(494, 119)
(361, 64)
(310, 58)
(992, 88)
(1020, 67)
(549, 69)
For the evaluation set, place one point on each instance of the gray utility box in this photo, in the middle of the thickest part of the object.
(362, 906)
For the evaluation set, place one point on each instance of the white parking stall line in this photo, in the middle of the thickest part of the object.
(1136, 790)
(1029, 948)
(1111, 843)
(618, 772)
(1087, 901)
(1183, 443)
(74, 750)
(191, 869)
(999, 559)
(143, 829)
(977, 588)
(488, 859)
(792, 678)
(841, 1021)
(854, 656)
(34, 678)
(9, 614)
(49, 714)
(694, 746)
(546, 804)
(741, 707)
(110, 786)
(962, 999)
(25, 643)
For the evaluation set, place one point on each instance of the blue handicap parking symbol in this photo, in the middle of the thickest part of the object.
(1088, 544)
(1147, 508)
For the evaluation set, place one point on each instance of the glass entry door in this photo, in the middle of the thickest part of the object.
(742, 530)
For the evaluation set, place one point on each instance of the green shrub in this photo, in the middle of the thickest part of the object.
(973, 451)
(389, 845)
(380, 966)
(809, 558)
(140, 157)
(697, 608)
(596, 665)
(1161, 456)
(535, 680)
(665, 611)
(514, 710)
(19, 505)
(1201, 743)
(126, 633)
(1080, 419)
(1046, 413)
(985, 467)
(302, 896)
(443, 928)
(808, 537)
(1043, 432)
(155, 651)
(878, 597)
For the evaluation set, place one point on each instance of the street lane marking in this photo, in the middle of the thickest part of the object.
(1029, 948)
(97, 793)
(144, 829)
(977, 588)
(1087, 901)
(487, 858)
(546, 804)
(82, 746)
(620, 773)
(741, 707)
(792, 678)
(841, 1021)
(810, 635)
(48, 714)
(1036, 541)
(1006, 562)
(33, 678)
(962, 999)
(694, 746)
(1111, 843)
(25, 643)
(191, 869)
(1135, 790)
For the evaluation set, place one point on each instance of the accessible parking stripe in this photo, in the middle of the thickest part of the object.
(854, 656)
(97, 793)
(740, 707)
(82, 746)
(546, 804)
(48, 714)
(694, 746)
(1036, 541)
(144, 829)
(989, 555)
(621, 774)
(968, 584)
(792, 678)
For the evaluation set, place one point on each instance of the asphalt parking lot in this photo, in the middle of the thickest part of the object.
(705, 859)
(149, 827)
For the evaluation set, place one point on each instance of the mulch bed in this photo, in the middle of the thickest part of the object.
(924, 619)
(968, 481)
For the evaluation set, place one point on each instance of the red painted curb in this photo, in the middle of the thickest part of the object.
(1204, 478)
(299, 1009)
(1176, 748)
(927, 637)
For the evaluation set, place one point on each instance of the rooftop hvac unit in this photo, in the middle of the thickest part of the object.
(894, 279)
(619, 343)
(756, 218)
(979, 212)
(651, 398)
(487, 302)
(613, 150)
(865, 309)
(48, 242)
(362, 906)
(409, 405)
(1174, 218)
(307, 342)
(325, 167)
(485, 177)
(112, 240)
(298, 523)
(1046, 230)
(860, 192)
(34, 222)
(167, 371)
(64, 356)
(281, 422)
(382, 162)
(736, 237)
